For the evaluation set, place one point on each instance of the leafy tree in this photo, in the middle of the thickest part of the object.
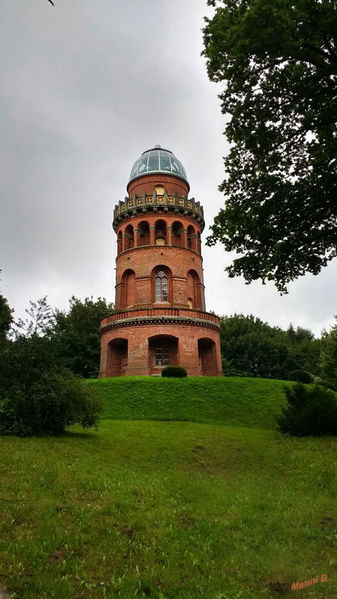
(251, 347)
(278, 63)
(305, 349)
(328, 357)
(77, 332)
(40, 320)
(254, 348)
(6, 317)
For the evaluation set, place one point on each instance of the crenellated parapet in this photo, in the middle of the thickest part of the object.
(131, 206)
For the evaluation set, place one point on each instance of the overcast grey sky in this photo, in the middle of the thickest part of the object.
(85, 88)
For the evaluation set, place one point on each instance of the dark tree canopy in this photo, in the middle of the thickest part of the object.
(250, 347)
(278, 63)
(328, 357)
(77, 332)
(6, 317)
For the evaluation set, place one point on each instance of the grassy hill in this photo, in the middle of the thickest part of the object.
(168, 510)
(220, 507)
(236, 401)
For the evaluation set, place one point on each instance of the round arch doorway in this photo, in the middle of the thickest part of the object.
(163, 351)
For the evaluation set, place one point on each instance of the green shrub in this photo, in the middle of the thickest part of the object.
(174, 371)
(39, 396)
(300, 376)
(327, 384)
(53, 402)
(310, 411)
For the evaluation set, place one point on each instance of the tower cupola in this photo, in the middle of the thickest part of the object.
(158, 160)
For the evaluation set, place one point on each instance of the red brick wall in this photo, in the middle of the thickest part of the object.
(138, 348)
(147, 184)
(144, 260)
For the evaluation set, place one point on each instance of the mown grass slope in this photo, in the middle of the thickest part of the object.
(232, 400)
(167, 510)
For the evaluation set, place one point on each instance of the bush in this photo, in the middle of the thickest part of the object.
(310, 411)
(174, 371)
(300, 376)
(53, 402)
(327, 384)
(39, 396)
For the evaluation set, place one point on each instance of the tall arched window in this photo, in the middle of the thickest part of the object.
(198, 243)
(161, 286)
(119, 242)
(144, 233)
(177, 235)
(129, 237)
(128, 289)
(160, 232)
(193, 290)
(191, 238)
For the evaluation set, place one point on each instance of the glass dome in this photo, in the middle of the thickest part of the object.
(157, 160)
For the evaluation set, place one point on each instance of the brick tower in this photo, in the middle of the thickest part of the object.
(160, 316)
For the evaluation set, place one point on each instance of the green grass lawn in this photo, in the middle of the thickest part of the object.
(238, 401)
(168, 510)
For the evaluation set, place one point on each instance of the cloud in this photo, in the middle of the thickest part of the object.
(85, 88)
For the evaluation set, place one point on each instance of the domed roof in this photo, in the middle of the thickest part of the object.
(157, 160)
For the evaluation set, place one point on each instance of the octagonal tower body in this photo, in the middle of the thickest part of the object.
(160, 316)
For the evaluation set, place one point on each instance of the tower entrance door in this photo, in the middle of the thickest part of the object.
(163, 351)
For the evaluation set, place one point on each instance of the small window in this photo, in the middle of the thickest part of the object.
(162, 355)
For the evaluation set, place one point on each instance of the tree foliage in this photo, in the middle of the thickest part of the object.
(278, 63)
(251, 347)
(37, 394)
(6, 317)
(77, 332)
(39, 320)
(328, 357)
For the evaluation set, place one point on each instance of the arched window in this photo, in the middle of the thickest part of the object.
(191, 238)
(177, 230)
(119, 242)
(128, 289)
(144, 233)
(198, 243)
(161, 286)
(160, 232)
(193, 290)
(163, 350)
(129, 238)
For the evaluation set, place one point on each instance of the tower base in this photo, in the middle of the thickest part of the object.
(143, 342)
